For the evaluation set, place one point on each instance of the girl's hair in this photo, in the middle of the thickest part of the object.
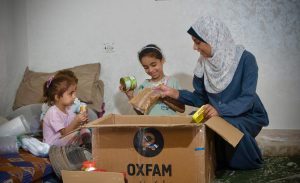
(151, 50)
(69, 73)
(57, 85)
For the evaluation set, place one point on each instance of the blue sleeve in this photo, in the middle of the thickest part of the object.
(247, 96)
(196, 98)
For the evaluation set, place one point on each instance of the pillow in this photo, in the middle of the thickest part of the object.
(30, 90)
(97, 95)
(31, 113)
(2, 120)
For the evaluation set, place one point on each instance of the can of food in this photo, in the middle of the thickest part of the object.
(198, 115)
(128, 83)
(83, 108)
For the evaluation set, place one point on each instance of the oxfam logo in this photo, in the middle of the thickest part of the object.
(148, 142)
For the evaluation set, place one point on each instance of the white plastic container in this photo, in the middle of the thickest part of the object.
(8, 144)
(16, 126)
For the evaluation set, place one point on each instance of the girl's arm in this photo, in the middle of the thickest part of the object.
(77, 121)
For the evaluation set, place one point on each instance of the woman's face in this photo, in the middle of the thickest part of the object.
(203, 48)
(153, 67)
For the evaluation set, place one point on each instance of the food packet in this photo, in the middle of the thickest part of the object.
(199, 115)
(145, 99)
(174, 104)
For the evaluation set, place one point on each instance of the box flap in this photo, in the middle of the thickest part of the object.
(91, 177)
(137, 120)
(139, 125)
(108, 119)
(115, 120)
(228, 132)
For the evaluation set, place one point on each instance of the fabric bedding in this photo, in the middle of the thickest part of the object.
(24, 167)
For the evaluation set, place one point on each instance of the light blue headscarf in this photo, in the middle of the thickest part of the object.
(218, 70)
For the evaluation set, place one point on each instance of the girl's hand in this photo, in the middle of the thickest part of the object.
(81, 118)
(128, 93)
(121, 88)
(210, 111)
(167, 91)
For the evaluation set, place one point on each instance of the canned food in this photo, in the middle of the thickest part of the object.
(199, 116)
(128, 83)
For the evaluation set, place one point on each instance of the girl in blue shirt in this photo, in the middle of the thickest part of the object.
(225, 80)
(152, 60)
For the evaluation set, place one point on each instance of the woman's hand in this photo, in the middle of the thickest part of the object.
(128, 93)
(167, 91)
(210, 111)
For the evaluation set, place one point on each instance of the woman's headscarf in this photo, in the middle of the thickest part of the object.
(218, 70)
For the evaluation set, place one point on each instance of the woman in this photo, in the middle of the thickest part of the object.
(225, 81)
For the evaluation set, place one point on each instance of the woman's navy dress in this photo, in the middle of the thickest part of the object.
(239, 105)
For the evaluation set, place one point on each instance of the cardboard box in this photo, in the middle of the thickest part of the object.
(159, 149)
(91, 177)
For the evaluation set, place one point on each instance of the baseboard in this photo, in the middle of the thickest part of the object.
(277, 142)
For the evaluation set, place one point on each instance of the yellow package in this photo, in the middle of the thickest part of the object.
(199, 115)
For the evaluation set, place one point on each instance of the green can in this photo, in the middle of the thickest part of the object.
(128, 83)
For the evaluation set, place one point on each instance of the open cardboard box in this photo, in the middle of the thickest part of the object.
(159, 148)
(91, 177)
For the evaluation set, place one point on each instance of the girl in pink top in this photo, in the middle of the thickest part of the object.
(60, 93)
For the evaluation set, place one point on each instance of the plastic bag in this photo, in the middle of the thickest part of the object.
(34, 146)
(16, 126)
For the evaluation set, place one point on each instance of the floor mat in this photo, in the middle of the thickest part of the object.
(275, 170)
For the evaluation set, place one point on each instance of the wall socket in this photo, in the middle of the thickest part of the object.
(109, 47)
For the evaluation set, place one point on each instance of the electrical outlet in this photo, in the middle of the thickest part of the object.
(109, 47)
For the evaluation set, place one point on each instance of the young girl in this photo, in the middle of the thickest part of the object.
(60, 93)
(152, 60)
(75, 106)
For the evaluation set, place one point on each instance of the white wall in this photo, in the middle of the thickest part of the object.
(13, 50)
(66, 33)
(5, 27)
